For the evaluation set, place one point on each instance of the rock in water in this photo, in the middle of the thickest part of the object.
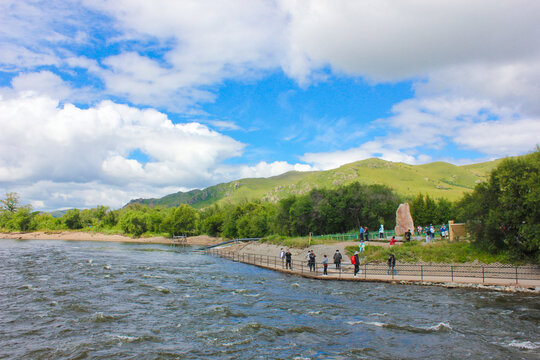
(404, 220)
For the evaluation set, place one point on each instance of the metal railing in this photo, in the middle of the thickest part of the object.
(373, 235)
(414, 272)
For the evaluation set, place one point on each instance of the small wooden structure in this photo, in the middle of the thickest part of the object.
(179, 240)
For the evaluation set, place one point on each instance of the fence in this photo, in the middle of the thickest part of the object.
(373, 235)
(351, 236)
(412, 272)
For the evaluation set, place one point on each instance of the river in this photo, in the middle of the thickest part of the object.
(100, 300)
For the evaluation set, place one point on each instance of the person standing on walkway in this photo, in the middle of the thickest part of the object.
(325, 265)
(355, 260)
(282, 256)
(432, 233)
(288, 260)
(366, 234)
(361, 234)
(391, 264)
(362, 247)
(337, 259)
(427, 234)
(311, 261)
(381, 232)
(393, 240)
(408, 235)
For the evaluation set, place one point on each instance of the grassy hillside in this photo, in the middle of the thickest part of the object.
(438, 179)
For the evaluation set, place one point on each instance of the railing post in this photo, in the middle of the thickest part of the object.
(302, 267)
(452, 270)
(422, 273)
(483, 275)
(365, 271)
(516, 275)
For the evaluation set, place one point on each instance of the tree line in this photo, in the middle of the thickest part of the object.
(321, 211)
(502, 214)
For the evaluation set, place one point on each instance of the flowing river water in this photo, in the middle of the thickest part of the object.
(100, 300)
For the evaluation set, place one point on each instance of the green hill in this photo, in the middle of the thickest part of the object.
(438, 179)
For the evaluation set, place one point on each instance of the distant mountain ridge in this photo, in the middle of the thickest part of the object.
(438, 179)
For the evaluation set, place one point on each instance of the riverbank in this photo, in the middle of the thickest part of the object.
(201, 240)
(492, 277)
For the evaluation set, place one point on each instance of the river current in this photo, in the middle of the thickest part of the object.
(78, 300)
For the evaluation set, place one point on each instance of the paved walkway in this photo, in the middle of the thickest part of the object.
(500, 278)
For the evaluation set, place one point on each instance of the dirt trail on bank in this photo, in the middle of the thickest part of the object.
(298, 254)
(91, 236)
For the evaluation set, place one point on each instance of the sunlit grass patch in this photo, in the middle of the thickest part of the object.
(295, 242)
(439, 252)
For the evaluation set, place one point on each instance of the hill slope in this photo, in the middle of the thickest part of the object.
(438, 179)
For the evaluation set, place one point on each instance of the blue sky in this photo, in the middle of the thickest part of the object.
(102, 102)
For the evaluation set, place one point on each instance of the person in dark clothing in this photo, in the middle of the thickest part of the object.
(311, 261)
(337, 259)
(391, 264)
(356, 263)
(408, 235)
(366, 234)
(288, 260)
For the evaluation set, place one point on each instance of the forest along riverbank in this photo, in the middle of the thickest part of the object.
(201, 240)
(493, 277)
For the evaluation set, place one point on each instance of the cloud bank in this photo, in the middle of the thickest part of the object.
(94, 89)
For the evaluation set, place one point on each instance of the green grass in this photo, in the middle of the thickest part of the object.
(295, 242)
(440, 252)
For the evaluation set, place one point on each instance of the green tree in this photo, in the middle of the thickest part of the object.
(22, 219)
(182, 220)
(11, 202)
(213, 224)
(72, 219)
(133, 222)
(504, 213)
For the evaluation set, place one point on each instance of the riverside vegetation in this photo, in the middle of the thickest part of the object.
(502, 216)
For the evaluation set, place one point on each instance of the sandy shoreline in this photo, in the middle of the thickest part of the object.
(91, 236)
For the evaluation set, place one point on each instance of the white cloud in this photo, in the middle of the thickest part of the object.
(204, 43)
(436, 122)
(43, 83)
(514, 85)
(334, 159)
(501, 138)
(196, 45)
(49, 195)
(41, 141)
(72, 144)
(389, 40)
(224, 125)
(475, 67)
(64, 156)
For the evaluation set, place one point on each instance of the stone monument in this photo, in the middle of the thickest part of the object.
(404, 220)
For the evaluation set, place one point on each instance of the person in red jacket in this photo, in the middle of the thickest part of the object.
(393, 240)
(355, 260)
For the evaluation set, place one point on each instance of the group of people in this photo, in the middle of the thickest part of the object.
(363, 233)
(430, 231)
(286, 257)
